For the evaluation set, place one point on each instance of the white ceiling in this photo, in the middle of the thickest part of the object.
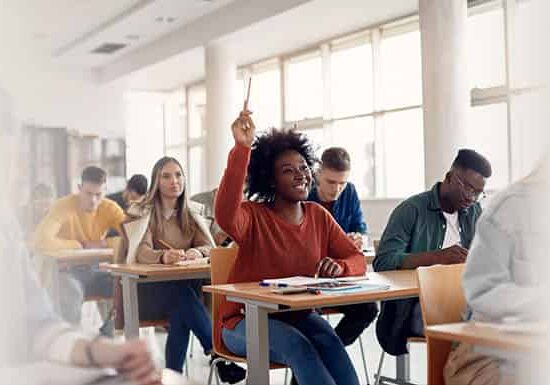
(61, 33)
(65, 31)
(294, 29)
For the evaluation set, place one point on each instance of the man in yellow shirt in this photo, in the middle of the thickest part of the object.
(77, 221)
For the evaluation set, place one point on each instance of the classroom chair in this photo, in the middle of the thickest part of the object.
(442, 301)
(221, 263)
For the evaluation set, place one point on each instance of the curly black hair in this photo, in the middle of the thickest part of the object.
(265, 150)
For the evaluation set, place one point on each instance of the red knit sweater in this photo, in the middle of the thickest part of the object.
(270, 247)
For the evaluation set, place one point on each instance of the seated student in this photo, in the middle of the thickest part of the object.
(170, 221)
(78, 221)
(36, 347)
(505, 273)
(335, 193)
(281, 235)
(434, 227)
(207, 199)
(135, 190)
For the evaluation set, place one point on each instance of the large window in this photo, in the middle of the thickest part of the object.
(304, 87)
(364, 92)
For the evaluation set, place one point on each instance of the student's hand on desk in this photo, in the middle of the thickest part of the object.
(244, 129)
(172, 256)
(192, 254)
(451, 255)
(131, 359)
(94, 244)
(328, 267)
(357, 240)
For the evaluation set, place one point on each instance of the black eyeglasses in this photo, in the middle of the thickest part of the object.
(470, 191)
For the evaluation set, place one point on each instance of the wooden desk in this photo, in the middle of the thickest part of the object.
(484, 335)
(259, 302)
(132, 274)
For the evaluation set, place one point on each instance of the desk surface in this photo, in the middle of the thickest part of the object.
(80, 255)
(402, 283)
(155, 270)
(484, 335)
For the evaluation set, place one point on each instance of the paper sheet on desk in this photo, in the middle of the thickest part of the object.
(361, 288)
(48, 373)
(300, 280)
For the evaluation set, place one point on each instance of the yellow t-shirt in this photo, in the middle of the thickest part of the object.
(66, 225)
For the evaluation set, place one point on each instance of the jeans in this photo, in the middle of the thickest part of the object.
(181, 303)
(308, 346)
(356, 319)
(76, 284)
(417, 324)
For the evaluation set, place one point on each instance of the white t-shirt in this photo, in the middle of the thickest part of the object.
(452, 234)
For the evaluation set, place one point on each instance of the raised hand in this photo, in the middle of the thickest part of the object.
(244, 129)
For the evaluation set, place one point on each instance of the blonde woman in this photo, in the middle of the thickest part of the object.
(172, 222)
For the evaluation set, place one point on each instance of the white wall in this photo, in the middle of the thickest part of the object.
(377, 212)
(54, 97)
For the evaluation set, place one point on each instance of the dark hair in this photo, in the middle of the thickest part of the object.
(265, 151)
(137, 183)
(336, 158)
(94, 174)
(472, 160)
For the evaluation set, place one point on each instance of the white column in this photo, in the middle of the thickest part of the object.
(444, 83)
(221, 109)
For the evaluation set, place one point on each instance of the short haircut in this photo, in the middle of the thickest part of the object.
(472, 160)
(336, 158)
(137, 183)
(93, 174)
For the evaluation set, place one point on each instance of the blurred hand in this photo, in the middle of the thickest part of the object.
(357, 240)
(451, 255)
(131, 359)
(328, 267)
(220, 236)
(192, 254)
(172, 256)
(102, 244)
(244, 129)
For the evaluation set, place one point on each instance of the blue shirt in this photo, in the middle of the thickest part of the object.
(346, 210)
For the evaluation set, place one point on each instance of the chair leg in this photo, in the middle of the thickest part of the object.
(286, 377)
(364, 360)
(379, 372)
(192, 339)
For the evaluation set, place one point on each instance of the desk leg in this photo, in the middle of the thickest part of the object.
(402, 369)
(257, 345)
(131, 310)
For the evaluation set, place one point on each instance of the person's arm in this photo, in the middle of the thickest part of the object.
(343, 251)
(230, 213)
(117, 217)
(489, 279)
(201, 243)
(357, 221)
(46, 233)
(146, 253)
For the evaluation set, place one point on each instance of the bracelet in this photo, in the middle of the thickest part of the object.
(89, 355)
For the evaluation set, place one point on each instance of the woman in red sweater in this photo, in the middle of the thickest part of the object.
(279, 235)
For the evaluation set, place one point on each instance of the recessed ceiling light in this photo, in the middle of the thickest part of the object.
(133, 37)
(165, 19)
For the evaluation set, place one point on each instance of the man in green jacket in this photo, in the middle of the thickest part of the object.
(434, 227)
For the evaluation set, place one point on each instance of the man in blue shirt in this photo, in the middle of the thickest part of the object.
(339, 197)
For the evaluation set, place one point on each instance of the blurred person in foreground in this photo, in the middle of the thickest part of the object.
(36, 346)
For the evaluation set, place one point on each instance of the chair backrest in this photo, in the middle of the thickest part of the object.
(442, 301)
(441, 296)
(222, 260)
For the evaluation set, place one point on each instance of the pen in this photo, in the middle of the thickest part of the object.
(267, 284)
(317, 268)
(165, 244)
